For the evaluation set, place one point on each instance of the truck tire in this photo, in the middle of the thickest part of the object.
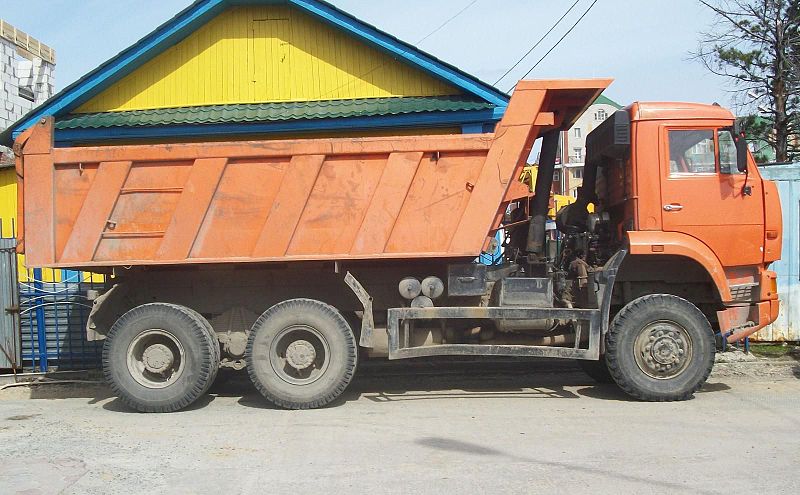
(597, 370)
(160, 357)
(213, 343)
(660, 348)
(301, 354)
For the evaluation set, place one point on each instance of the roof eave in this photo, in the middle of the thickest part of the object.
(423, 119)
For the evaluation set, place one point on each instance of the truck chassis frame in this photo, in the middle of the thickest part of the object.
(597, 318)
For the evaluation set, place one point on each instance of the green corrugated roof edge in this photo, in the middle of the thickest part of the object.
(605, 100)
(273, 112)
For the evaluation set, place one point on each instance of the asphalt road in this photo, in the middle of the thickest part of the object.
(453, 428)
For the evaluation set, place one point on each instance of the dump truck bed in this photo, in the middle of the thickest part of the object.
(265, 201)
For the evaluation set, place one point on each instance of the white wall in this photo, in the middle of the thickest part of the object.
(16, 71)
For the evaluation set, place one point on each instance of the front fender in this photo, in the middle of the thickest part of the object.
(654, 243)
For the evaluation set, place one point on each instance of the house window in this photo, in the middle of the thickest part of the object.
(578, 173)
(25, 76)
(600, 115)
(577, 155)
(557, 176)
(577, 132)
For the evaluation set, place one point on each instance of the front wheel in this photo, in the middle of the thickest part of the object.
(660, 348)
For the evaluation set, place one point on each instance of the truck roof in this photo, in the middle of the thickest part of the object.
(640, 111)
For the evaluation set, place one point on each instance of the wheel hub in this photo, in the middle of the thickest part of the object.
(663, 349)
(300, 354)
(158, 358)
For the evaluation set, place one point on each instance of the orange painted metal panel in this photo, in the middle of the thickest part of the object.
(39, 209)
(314, 199)
(191, 208)
(336, 205)
(391, 193)
(243, 199)
(94, 218)
(679, 244)
(73, 182)
(281, 224)
(438, 195)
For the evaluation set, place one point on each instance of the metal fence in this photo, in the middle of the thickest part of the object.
(10, 346)
(53, 318)
(787, 327)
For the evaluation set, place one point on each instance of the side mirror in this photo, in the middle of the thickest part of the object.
(741, 154)
(741, 149)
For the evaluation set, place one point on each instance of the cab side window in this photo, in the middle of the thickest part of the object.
(727, 152)
(692, 152)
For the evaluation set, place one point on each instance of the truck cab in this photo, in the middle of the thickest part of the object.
(698, 220)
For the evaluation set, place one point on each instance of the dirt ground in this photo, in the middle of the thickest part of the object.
(423, 427)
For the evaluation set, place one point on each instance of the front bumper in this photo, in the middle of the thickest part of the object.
(739, 322)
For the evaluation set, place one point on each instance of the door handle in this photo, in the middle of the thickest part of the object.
(673, 207)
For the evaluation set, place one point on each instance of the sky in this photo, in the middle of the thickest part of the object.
(644, 45)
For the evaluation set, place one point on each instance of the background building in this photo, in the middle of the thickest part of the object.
(28, 68)
(572, 152)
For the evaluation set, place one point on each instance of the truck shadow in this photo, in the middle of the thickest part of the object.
(387, 382)
(452, 380)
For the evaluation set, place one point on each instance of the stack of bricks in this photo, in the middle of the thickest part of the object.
(26, 81)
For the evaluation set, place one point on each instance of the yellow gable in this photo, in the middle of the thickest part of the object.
(260, 54)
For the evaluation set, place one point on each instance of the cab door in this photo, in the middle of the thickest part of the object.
(705, 196)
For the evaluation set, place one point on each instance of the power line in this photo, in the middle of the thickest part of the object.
(537, 43)
(558, 42)
(448, 21)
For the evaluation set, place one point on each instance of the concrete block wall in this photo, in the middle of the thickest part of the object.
(16, 72)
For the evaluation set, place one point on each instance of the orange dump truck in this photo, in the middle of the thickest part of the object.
(298, 259)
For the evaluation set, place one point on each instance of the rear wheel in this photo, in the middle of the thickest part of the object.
(160, 357)
(213, 342)
(301, 354)
(660, 348)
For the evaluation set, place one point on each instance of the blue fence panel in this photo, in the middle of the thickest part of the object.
(787, 326)
(53, 321)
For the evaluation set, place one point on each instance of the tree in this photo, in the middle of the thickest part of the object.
(756, 45)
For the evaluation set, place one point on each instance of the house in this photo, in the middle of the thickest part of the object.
(263, 69)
